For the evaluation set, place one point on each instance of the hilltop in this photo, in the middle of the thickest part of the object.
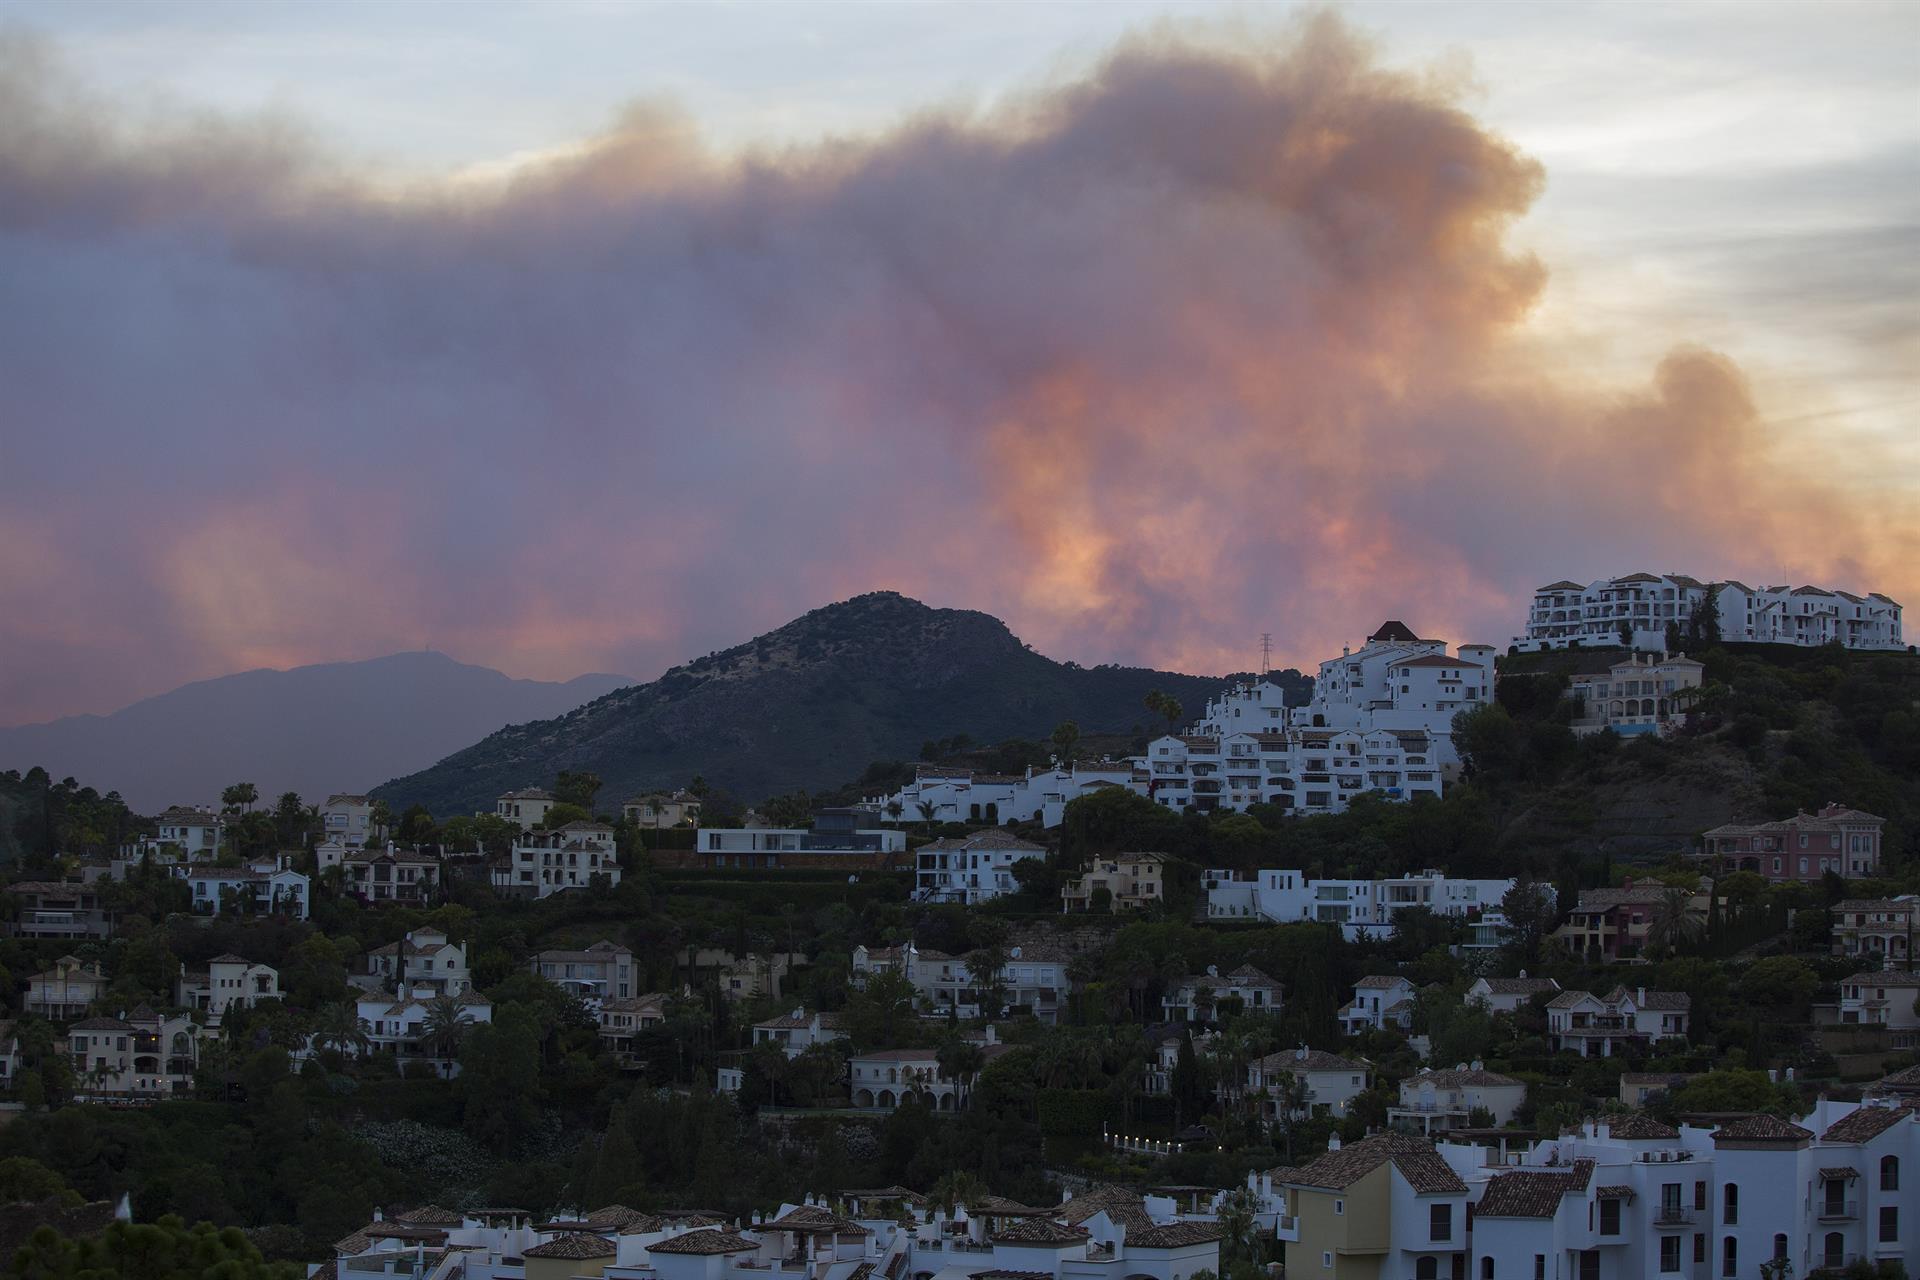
(806, 706)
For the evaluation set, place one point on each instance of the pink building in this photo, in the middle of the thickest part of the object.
(1803, 847)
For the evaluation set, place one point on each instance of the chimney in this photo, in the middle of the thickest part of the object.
(1641, 999)
(1213, 971)
(123, 1211)
(1333, 1142)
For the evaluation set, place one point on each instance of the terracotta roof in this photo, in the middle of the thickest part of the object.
(1640, 1127)
(1760, 1128)
(1174, 1235)
(1040, 1231)
(1461, 1077)
(1415, 1158)
(789, 1022)
(1085, 1205)
(812, 1220)
(1865, 1124)
(705, 1240)
(101, 1024)
(1378, 982)
(349, 1245)
(1435, 660)
(1520, 986)
(19, 1220)
(1654, 1001)
(1526, 1194)
(1840, 1175)
(1001, 1207)
(1395, 630)
(393, 1229)
(1614, 1193)
(886, 1193)
(1292, 1060)
(575, 1245)
(619, 1217)
(430, 1215)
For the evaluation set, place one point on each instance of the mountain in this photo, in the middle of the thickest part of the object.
(337, 726)
(807, 706)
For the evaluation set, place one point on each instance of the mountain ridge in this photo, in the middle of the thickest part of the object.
(805, 706)
(314, 729)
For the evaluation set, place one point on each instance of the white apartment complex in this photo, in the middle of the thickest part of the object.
(1593, 616)
(543, 863)
(1626, 1199)
(1362, 908)
(1040, 795)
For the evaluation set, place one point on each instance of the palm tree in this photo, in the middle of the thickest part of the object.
(927, 810)
(339, 1028)
(956, 1189)
(961, 1061)
(1673, 922)
(444, 1027)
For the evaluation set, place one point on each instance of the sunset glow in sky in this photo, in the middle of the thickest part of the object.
(595, 336)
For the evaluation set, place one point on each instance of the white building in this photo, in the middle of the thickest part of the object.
(1436, 1101)
(1304, 771)
(1198, 997)
(67, 989)
(798, 1031)
(1034, 976)
(1643, 694)
(1362, 908)
(1379, 1003)
(400, 1024)
(347, 819)
(1041, 795)
(141, 1055)
(660, 811)
(889, 1078)
(1890, 999)
(1331, 1081)
(263, 886)
(970, 869)
(578, 855)
(1566, 613)
(603, 971)
(229, 980)
(528, 807)
(195, 832)
(1599, 1026)
(1510, 995)
(425, 961)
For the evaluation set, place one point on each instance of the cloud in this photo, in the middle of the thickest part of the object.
(1205, 342)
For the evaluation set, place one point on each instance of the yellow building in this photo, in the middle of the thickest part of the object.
(1386, 1208)
(567, 1256)
(1131, 879)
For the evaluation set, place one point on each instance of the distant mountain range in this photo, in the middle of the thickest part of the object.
(809, 706)
(337, 726)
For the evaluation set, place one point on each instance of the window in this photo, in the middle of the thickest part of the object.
(1440, 1221)
(1339, 1206)
(1486, 1267)
(1326, 1259)
(1730, 1213)
(1889, 1224)
(1699, 1249)
(1609, 1217)
(1539, 1266)
(1700, 1195)
(1889, 1173)
(1427, 1268)
(1729, 1256)
(1669, 1253)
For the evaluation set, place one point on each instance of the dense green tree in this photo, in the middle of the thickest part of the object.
(576, 788)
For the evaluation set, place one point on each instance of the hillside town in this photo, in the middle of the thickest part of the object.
(1267, 991)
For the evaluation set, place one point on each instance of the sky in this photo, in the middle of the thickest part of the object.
(594, 336)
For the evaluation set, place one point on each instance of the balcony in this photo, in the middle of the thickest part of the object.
(1839, 1210)
(1674, 1215)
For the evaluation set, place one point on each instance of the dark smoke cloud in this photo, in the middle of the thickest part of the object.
(1202, 344)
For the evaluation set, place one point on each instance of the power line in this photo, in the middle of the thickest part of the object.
(1266, 652)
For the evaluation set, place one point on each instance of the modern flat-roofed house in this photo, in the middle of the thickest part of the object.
(1804, 847)
(58, 909)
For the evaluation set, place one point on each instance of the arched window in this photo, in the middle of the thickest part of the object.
(1730, 1257)
(1486, 1268)
(1780, 1246)
(1889, 1173)
(1836, 1250)
(1427, 1268)
(1730, 1213)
